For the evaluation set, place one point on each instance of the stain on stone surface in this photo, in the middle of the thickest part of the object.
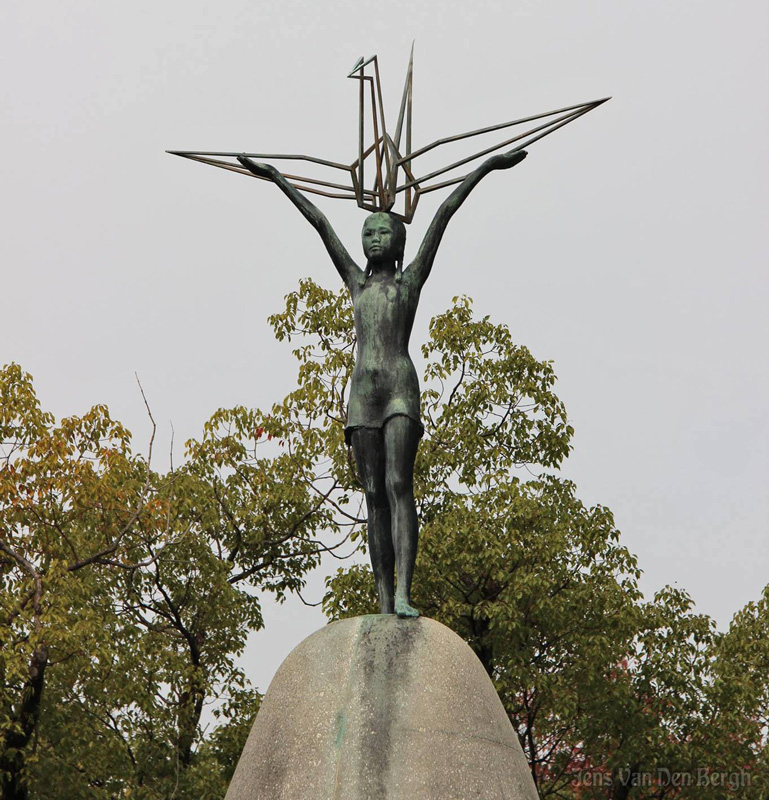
(384, 654)
(341, 728)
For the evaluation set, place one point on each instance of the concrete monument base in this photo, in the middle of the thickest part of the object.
(382, 708)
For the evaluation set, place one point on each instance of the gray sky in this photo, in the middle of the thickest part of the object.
(629, 248)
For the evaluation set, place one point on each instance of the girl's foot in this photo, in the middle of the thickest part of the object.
(403, 609)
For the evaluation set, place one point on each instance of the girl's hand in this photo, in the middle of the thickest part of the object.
(507, 160)
(260, 170)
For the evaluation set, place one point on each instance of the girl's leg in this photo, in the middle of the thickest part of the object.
(401, 439)
(369, 452)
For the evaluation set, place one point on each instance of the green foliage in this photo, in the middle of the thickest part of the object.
(70, 496)
(489, 404)
(126, 594)
(740, 696)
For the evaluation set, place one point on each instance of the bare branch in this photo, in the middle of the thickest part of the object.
(152, 420)
(113, 546)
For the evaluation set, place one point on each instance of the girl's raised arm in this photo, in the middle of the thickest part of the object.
(344, 264)
(423, 263)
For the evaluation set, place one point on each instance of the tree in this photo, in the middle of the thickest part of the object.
(70, 496)
(740, 702)
(126, 594)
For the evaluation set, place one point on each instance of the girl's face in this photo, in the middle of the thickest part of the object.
(379, 240)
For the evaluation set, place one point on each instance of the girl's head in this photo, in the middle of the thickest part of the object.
(384, 241)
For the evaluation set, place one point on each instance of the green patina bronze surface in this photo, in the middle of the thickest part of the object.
(383, 424)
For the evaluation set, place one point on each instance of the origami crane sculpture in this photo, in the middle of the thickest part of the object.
(393, 164)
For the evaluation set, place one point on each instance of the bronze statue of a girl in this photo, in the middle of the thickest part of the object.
(383, 423)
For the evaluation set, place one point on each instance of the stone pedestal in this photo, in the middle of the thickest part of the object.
(381, 708)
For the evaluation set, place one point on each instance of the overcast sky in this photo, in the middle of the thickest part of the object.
(630, 248)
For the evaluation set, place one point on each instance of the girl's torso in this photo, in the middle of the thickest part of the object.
(384, 382)
(384, 310)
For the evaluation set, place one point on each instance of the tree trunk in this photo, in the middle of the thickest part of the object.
(23, 728)
(190, 709)
(623, 782)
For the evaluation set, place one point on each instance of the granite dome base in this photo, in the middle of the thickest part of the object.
(382, 708)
